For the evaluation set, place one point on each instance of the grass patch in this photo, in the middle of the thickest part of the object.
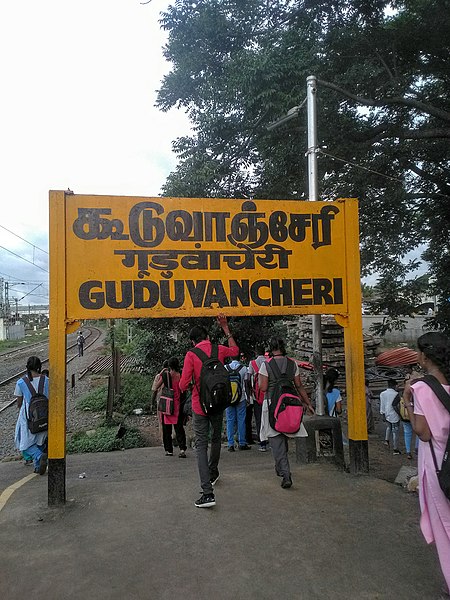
(95, 400)
(136, 392)
(104, 440)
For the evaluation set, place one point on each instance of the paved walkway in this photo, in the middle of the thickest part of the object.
(130, 530)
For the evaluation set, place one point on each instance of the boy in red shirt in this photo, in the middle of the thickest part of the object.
(207, 468)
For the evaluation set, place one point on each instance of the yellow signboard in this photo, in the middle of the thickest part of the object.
(129, 257)
(124, 257)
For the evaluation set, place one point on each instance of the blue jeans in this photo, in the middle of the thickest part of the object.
(407, 434)
(392, 429)
(236, 418)
(35, 452)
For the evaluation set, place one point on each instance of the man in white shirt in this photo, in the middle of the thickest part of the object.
(390, 416)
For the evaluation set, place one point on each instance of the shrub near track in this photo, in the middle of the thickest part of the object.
(104, 440)
(136, 392)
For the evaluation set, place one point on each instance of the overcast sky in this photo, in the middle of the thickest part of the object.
(79, 81)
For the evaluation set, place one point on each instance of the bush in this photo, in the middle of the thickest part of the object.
(104, 440)
(136, 392)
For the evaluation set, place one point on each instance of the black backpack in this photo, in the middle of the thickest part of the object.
(37, 413)
(443, 473)
(285, 407)
(215, 387)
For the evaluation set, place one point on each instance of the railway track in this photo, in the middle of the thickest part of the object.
(91, 332)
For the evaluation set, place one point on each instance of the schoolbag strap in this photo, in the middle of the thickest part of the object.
(255, 366)
(272, 363)
(437, 469)
(168, 378)
(41, 385)
(200, 354)
(291, 367)
(29, 385)
(438, 389)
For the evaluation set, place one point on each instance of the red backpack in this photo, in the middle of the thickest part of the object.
(258, 394)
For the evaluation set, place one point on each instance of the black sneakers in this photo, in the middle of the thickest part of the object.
(246, 447)
(286, 483)
(206, 501)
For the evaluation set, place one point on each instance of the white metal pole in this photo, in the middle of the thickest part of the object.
(313, 187)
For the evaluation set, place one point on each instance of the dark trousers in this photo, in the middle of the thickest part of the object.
(179, 433)
(208, 468)
(248, 424)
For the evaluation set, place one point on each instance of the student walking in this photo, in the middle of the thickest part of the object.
(254, 391)
(431, 422)
(237, 414)
(33, 445)
(208, 467)
(267, 382)
(171, 379)
(390, 416)
(332, 394)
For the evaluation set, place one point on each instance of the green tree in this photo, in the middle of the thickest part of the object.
(383, 106)
(159, 339)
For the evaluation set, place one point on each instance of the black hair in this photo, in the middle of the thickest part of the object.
(45, 372)
(259, 349)
(392, 383)
(330, 377)
(277, 344)
(436, 347)
(198, 334)
(166, 364)
(33, 364)
(174, 364)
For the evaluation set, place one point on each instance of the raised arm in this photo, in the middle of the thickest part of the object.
(223, 323)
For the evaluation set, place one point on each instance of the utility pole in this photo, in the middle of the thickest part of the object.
(313, 193)
(313, 188)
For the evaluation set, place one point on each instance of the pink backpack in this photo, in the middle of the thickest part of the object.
(285, 408)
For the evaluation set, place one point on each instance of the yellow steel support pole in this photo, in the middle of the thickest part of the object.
(354, 348)
(57, 352)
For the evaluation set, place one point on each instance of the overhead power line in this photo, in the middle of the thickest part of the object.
(23, 239)
(25, 259)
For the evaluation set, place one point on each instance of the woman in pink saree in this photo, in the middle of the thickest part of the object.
(431, 421)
